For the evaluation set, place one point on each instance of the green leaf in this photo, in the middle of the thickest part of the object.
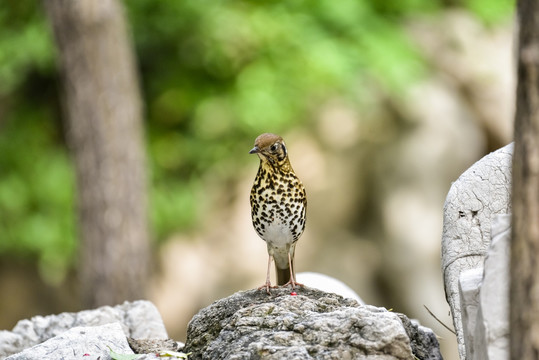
(115, 356)
(174, 354)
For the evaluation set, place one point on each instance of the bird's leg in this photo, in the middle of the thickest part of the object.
(267, 285)
(292, 275)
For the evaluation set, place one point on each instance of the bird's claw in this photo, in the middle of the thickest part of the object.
(266, 286)
(293, 283)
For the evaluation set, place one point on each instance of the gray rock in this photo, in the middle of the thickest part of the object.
(139, 319)
(91, 343)
(11, 343)
(328, 284)
(492, 330)
(480, 192)
(310, 325)
(469, 285)
(423, 340)
(153, 346)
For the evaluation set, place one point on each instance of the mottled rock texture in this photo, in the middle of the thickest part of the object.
(310, 325)
(139, 320)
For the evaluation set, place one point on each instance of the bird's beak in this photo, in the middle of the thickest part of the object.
(254, 150)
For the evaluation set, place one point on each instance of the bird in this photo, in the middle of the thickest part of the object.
(278, 207)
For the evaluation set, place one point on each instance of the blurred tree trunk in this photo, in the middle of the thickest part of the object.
(524, 294)
(105, 134)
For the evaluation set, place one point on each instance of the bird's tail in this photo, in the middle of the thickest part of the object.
(283, 274)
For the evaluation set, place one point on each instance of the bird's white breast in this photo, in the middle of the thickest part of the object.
(279, 238)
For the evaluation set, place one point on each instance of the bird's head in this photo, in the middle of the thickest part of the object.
(271, 150)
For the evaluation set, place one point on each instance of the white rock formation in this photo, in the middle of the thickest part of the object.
(328, 284)
(481, 192)
(81, 342)
(492, 323)
(469, 284)
(139, 319)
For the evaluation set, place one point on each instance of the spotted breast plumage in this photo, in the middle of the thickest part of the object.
(278, 206)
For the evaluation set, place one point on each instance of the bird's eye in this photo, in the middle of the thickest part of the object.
(274, 147)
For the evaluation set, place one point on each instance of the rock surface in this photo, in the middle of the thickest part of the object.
(139, 319)
(91, 343)
(469, 285)
(492, 323)
(329, 284)
(310, 325)
(480, 192)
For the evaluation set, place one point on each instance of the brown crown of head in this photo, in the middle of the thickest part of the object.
(271, 148)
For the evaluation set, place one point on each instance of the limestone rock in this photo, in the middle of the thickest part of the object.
(469, 285)
(480, 192)
(423, 340)
(310, 325)
(329, 284)
(91, 343)
(139, 319)
(153, 346)
(492, 330)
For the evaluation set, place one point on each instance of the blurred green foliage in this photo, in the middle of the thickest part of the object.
(214, 75)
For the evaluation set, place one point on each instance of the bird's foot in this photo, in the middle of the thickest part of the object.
(267, 286)
(293, 283)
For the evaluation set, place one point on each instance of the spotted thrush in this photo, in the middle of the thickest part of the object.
(278, 207)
